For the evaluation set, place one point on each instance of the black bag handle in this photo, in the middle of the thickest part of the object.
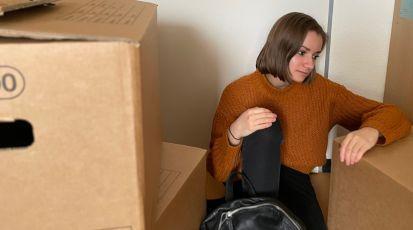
(229, 185)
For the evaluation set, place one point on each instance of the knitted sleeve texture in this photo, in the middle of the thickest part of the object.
(353, 112)
(223, 157)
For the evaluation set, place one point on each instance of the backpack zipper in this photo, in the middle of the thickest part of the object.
(229, 214)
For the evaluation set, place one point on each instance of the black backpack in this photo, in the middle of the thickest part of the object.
(255, 213)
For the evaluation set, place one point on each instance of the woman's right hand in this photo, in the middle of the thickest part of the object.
(250, 121)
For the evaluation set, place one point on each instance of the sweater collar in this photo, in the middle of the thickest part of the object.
(267, 84)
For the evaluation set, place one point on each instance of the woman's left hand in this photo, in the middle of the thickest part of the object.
(356, 144)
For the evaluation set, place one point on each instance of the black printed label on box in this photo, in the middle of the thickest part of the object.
(11, 82)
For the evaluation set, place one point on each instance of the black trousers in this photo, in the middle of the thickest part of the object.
(261, 164)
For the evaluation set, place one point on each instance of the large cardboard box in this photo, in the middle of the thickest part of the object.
(375, 193)
(84, 74)
(399, 87)
(181, 199)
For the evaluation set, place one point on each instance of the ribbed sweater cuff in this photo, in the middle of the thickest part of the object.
(390, 134)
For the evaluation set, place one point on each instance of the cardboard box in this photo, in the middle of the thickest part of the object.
(321, 185)
(181, 199)
(214, 188)
(84, 74)
(10, 5)
(398, 90)
(375, 193)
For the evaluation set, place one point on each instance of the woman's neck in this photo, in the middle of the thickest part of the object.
(276, 82)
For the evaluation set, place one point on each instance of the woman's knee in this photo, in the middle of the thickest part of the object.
(271, 134)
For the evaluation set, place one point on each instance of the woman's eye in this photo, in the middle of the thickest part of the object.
(301, 53)
(315, 57)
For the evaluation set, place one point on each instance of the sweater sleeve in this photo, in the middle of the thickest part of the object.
(223, 157)
(353, 112)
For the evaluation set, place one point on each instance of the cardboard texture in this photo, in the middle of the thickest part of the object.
(377, 192)
(181, 199)
(321, 185)
(214, 188)
(398, 89)
(10, 5)
(94, 107)
(107, 20)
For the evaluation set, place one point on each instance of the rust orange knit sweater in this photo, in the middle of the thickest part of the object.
(307, 113)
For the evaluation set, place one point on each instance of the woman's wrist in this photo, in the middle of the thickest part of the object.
(232, 135)
(234, 140)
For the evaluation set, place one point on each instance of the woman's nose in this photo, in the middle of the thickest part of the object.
(309, 62)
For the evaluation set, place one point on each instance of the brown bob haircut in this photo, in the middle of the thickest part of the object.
(284, 41)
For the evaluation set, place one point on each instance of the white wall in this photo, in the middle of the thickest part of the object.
(204, 45)
(360, 45)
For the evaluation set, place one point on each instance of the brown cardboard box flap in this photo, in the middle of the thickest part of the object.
(181, 198)
(398, 90)
(393, 160)
(321, 185)
(178, 162)
(119, 20)
(10, 5)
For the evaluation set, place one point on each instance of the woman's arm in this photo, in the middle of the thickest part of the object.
(373, 123)
(232, 122)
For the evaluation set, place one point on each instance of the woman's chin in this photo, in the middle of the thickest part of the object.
(299, 79)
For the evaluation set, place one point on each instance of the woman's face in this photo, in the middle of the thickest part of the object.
(303, 62)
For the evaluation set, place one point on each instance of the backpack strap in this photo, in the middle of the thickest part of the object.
(229, 185)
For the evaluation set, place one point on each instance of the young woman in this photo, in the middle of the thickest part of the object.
(286, 89)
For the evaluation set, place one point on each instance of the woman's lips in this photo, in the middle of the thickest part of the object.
(302, 72)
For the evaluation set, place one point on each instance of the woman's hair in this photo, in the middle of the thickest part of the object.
(284, 41)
